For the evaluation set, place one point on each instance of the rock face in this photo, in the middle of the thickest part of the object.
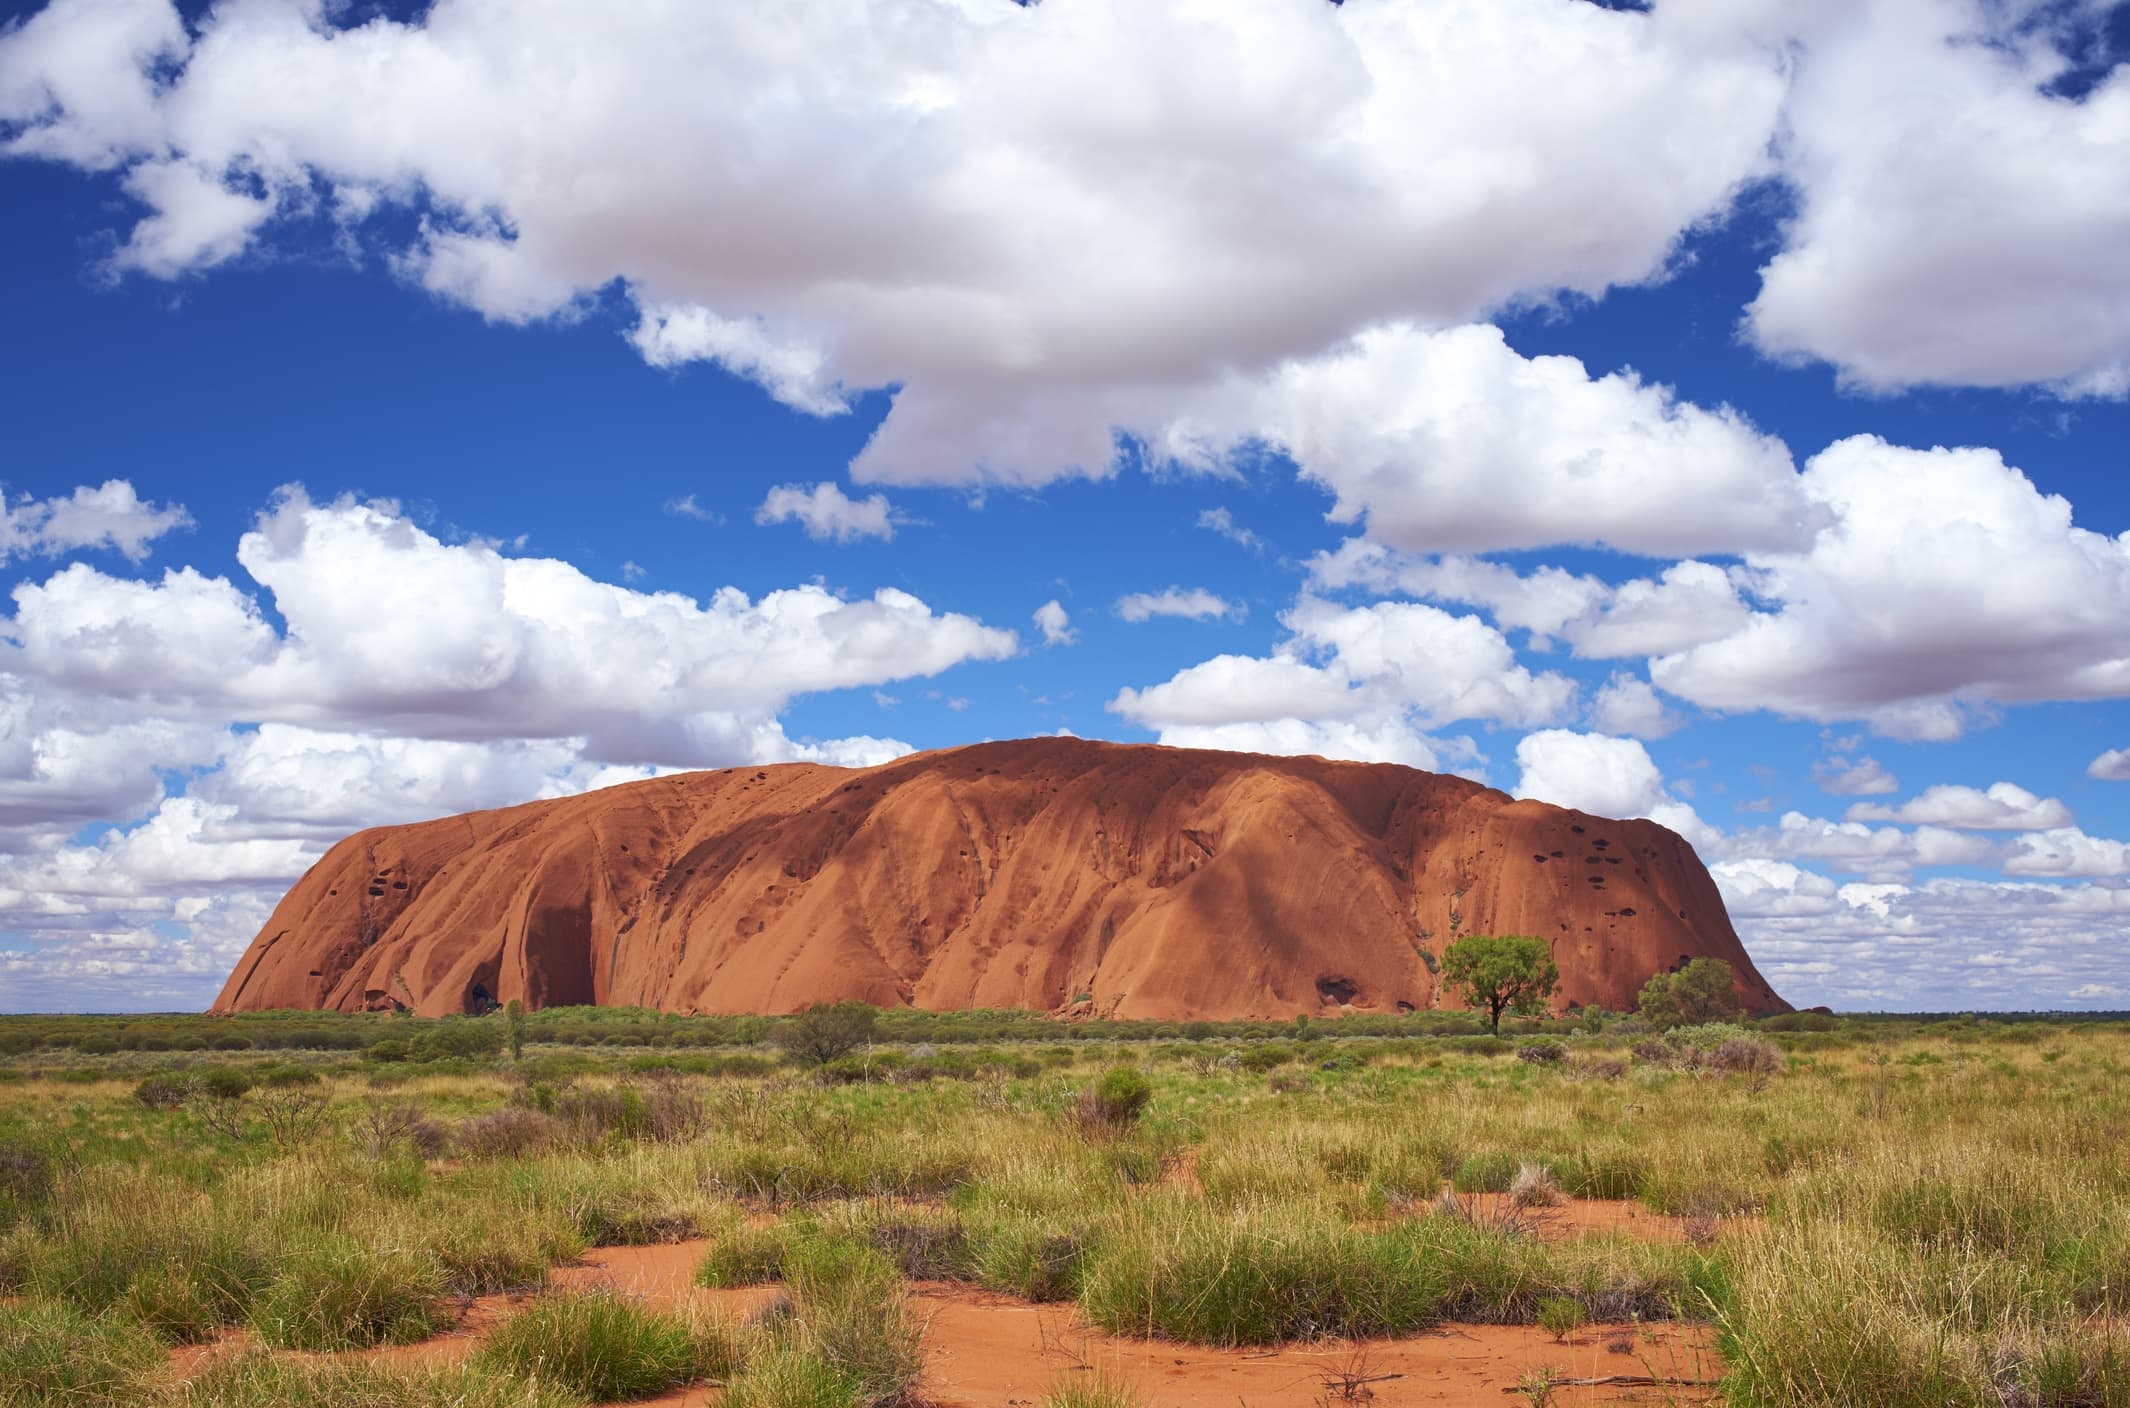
(1157, 882)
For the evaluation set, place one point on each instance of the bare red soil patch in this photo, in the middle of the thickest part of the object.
(990, 1351)
(1580, 1217)
(986, 1350)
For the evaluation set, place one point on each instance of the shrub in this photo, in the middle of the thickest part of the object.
(162, 1092)
(388, 1051)
(385, 1126)
(1701, 991)
(221, 1083)
(674, 1111)
(1598, 1067)
(1748, 1056)
(1265, 1056)
(1542, 1053)
(1801, 1022)
(52, 1354)
(460, 1038)
(598, 1346)
(336, 1294)
(1706, 1036)
(25, 1178)
(589, 1115)
(508, 1133)
(1115, 1102)
(291, 1115)
(827, 1030)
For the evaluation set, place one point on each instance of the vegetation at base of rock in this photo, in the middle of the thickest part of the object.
(1700, 992)
(828, 1030)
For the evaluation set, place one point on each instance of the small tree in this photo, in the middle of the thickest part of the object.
(1699, 992)
(827, 1030)
(514, 1025)
(1509, 973)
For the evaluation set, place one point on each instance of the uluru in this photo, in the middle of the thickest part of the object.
(1053, 874)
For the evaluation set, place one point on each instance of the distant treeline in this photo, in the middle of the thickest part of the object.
(405, 1037)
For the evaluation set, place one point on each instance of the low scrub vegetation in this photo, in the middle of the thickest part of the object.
(1863, 1212)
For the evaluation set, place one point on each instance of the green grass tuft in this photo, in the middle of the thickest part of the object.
(53, 1356)
(261, 1380)
(337, 1294)
(1093, 1390)
(598, 1346)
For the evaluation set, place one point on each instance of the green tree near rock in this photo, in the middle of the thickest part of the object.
(1701, 991)
(1501, 973)
(827, 1030)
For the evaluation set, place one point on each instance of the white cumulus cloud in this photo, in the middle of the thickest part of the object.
(833, 196)
(1855, 777)
(1944, 584)
(2111, 766)
(1627, 705)
(2003, 806)
(110, 515)
(1613, 777)
(827, 513)
(398, 677)
(1959, 222)
(1055, 623)
(1188, 603)
(1371, 683)
(1451, 441)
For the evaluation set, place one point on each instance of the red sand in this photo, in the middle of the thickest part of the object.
(993, 1351)
(1165, 883)
(990, 1351)
(1582, 1217)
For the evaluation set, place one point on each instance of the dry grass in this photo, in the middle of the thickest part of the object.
(1942, 1219)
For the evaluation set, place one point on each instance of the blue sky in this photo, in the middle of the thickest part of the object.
(389, 395)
